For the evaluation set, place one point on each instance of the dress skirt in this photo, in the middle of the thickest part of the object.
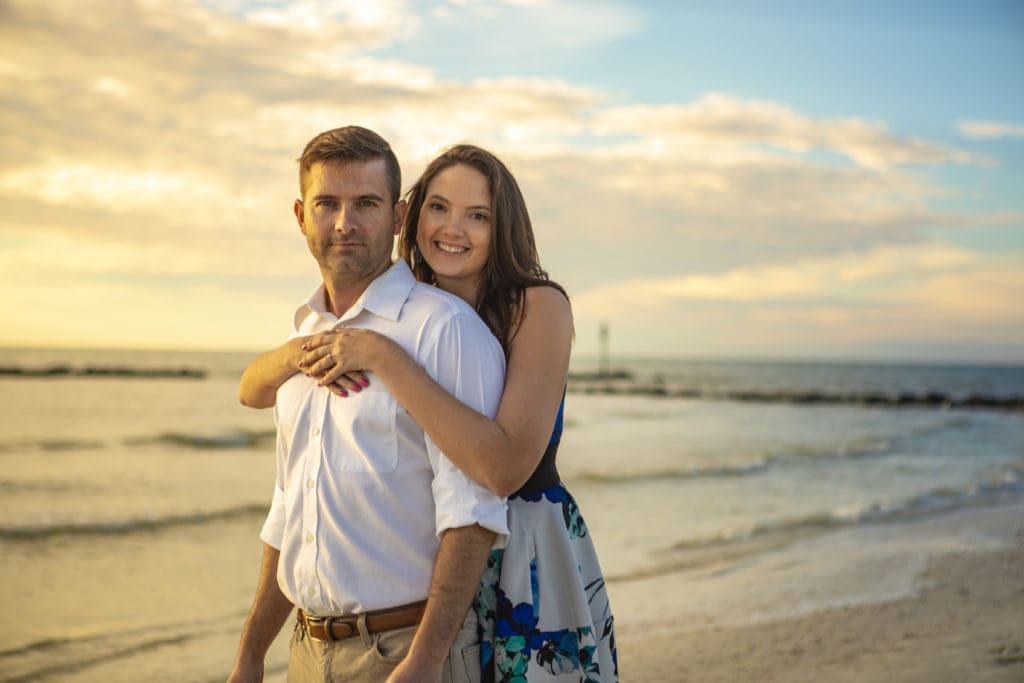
(542, 606)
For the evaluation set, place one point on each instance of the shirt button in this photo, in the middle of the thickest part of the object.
(310, 484)
(312, 591)
(309, 538)
(316, 431)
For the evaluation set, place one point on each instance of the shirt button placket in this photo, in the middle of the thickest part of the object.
(310, 517)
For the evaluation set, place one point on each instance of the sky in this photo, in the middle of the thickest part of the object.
(814, 179)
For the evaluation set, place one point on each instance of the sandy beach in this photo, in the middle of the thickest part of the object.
(824, 543)
(964, 622)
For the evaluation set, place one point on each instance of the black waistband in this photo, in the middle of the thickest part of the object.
(546, 474)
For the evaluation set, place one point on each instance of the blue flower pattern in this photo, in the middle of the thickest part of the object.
(511, 640)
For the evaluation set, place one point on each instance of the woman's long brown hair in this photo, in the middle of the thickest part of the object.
(512, 264)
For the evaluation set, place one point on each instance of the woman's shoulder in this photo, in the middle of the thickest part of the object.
(547, 296)
(545, 305)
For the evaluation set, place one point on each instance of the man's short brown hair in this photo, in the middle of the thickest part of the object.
(351, 143)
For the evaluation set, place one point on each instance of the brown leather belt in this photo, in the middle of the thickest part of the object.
(337, 628)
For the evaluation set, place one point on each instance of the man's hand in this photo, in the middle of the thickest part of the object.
(270, 610)
(409, 672)
(460, 562)
(246, 673)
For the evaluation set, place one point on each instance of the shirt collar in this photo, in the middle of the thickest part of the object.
(385, 297)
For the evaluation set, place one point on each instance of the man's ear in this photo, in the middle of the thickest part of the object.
(401, 208)
(300, 216)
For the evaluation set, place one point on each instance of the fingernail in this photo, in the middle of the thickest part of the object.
(305, 347)
(302, 364)
(356, 387)
(342, 393)
(365, 382)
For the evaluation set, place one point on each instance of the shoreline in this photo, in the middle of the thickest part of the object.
(962, 619)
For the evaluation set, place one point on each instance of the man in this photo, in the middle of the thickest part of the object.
(368, 517)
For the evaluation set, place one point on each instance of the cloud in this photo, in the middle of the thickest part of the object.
(990, 130)
(553, 26)
(831, 278)
(153, 143)
(922, 299)
(113, 189)
(735, 130)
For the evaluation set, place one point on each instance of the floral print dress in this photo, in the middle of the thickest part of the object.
(542, 606)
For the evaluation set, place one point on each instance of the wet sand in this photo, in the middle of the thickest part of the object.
(964, 623)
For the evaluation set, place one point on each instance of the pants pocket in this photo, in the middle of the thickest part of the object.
(391, 647)
(470, 664)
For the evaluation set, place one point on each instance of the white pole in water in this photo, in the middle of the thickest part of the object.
(604, 364)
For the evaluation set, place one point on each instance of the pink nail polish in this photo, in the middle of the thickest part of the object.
(342, 393)
(356, 387)
(365, 382)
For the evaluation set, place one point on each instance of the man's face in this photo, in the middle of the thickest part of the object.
(348, 219)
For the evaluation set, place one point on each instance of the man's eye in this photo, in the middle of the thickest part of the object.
(326, 203)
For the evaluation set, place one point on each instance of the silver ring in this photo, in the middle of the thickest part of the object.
(330, 357)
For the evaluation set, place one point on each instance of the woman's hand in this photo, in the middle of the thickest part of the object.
(337, 359)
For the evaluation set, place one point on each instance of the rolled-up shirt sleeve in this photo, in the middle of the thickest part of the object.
(467, 361)
(273, 528)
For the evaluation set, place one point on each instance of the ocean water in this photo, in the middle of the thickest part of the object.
(130, 506)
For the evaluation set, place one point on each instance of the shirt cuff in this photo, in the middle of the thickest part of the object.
(485, 509)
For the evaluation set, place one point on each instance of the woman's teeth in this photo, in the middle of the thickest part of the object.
(450, 248)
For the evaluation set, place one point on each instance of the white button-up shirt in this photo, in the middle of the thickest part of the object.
(362, 494)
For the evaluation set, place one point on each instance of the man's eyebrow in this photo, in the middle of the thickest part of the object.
(369, 195)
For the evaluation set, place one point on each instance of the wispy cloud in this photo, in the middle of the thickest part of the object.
(553, 26)
(921, 295)
(736, 129)
(153, 142)
(991, 130)
(830, 278)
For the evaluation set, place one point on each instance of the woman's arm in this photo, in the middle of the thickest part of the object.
(501, 453)
(268, 371)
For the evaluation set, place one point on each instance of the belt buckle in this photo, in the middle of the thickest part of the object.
(328, 624)
(309, 621)
(328, 630)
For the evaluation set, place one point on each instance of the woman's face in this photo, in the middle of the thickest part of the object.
(454, 229)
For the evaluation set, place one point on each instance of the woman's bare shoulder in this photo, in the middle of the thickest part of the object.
(546, 300)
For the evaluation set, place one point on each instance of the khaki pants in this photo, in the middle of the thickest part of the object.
(366, 658)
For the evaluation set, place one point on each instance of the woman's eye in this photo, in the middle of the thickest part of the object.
(480, 216)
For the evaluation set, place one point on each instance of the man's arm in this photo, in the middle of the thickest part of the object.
(460, 563)
(268, 371)
(270, 610)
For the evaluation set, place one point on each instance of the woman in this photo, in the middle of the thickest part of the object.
(542, 602)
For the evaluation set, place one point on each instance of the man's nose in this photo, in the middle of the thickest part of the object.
(345, 220)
